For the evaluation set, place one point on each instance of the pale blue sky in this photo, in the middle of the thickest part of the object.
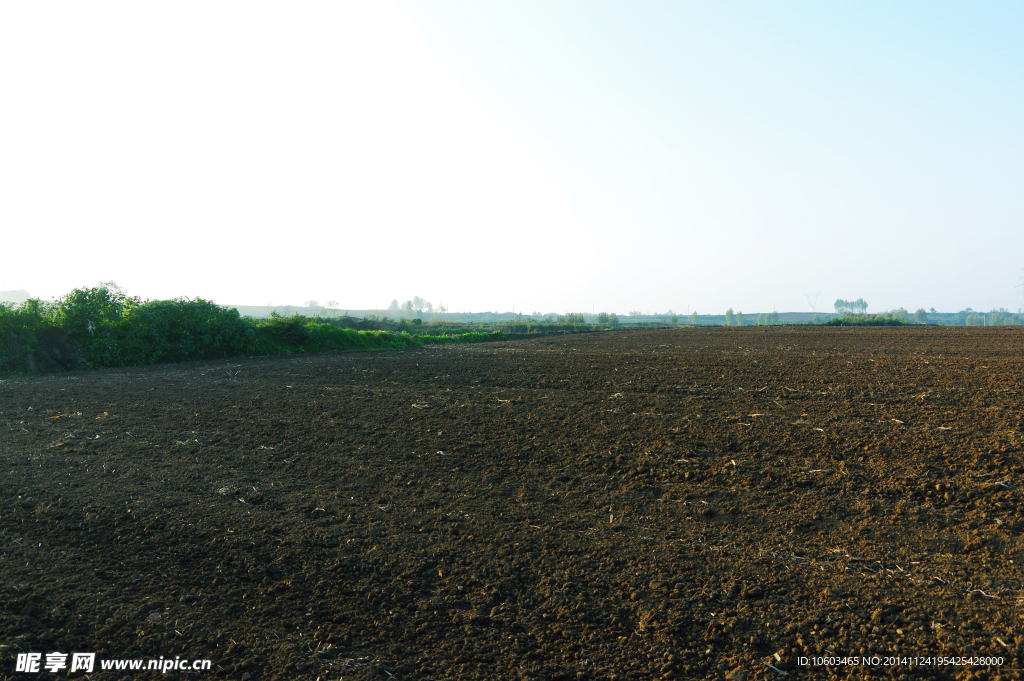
(769, 149)
(555, 155)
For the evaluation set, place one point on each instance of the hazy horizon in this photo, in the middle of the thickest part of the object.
(555, 156)
(337, 308)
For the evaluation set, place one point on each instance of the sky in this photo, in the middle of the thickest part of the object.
(551, 156)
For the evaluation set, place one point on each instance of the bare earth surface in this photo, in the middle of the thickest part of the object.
(677, 504)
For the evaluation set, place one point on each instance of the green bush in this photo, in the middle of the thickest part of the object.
(410, 324)
(975, 319)
(471, 337)
(860, 320)
(283, 333)
(94, 320)
(299, 334)
(32, 339)
(900, 315)
(572, 318)
(326, 337)
(18, 338)
(183, 330)
(1003, 317)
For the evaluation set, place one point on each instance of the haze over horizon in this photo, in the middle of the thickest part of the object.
(556, 156)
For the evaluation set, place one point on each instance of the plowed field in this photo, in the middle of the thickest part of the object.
(689, 504)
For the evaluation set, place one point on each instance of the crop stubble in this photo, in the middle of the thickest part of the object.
(690, 503)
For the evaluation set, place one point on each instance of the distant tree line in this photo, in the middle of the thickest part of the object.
(415, 306)
(1000, 317)
(847, 307)
(733, 318)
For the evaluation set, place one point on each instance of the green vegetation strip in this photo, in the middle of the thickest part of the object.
(469, 337)
(866, 321)
(93, 328)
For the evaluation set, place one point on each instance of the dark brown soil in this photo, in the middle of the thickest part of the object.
(690, 504)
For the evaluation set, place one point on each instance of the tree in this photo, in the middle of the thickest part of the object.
(848, 307)
(94, 319)
(921, 317)
(311, 303)
(394, 306)
(613, 319)
(407, 308)
(975, 319)
(761, 320)
(730, 317)
(773, 318)
(114, 288)
(602, 318)
(694, 319)
(898, 315)
(739, 318)
(418, 303)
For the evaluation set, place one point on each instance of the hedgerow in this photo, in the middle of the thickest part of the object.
(469, 337)
(865, 321)
(100, 327)
(103, 327)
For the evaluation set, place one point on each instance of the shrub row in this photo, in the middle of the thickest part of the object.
(468, 337)
(92, 328)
